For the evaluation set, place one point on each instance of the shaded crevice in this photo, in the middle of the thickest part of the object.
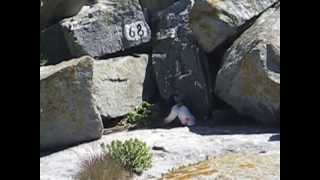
(150, 92)
(110, 122)
(134, 51)
(49, 151)
(117, 80)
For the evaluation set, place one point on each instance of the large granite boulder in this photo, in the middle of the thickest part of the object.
(180, 66)
(112, 88)
(68, 113)
(249, 79)
(52, 11)
(119, 84)
(214, 21)
(102, 28)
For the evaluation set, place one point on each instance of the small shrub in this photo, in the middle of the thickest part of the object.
(140, 116)
(102, 167)
(132, 154)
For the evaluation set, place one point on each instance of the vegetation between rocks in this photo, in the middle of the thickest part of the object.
(140, 116)
(133, 154)
(118, 161)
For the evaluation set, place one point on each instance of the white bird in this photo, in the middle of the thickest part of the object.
(183, 113)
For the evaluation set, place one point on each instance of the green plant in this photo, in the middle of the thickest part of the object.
(43, 60)
(132, 154)
(140, 116)
(102, 167)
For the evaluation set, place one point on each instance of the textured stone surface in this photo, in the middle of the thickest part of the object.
(154, 6)
(213, 21)
(179, 65)
(249, 79)
(116, 84)
(231, 166)
(181, 146)
(119, 84)
(103, 28)
(52, 11)
(68, 114)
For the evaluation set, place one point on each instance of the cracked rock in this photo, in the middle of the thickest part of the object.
(249, 79)
(214, 21)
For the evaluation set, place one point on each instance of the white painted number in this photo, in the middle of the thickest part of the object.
(135, 31)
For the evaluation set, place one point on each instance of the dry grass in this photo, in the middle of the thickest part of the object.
(102, 167)
(230, 166)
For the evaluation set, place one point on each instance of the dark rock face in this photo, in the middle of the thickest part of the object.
(100, 29)
(52, 11)
(249, 79)
(54, 45)
(154, 6)
(68, 113)
(179, 64)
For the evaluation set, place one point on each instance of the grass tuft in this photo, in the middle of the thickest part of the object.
(102, 167)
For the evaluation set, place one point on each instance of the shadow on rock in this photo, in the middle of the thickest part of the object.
(224, 130)
(275, 137)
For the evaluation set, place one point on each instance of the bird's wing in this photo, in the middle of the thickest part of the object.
(173, 114)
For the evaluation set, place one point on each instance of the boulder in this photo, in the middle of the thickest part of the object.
(214, 21)
(68, 113)
(180, 66)
(249, 79)
(103, 28)
(52, 11)
(119, 84)
(116, 84)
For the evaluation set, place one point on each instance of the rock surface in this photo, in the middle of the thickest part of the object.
(52, 11)
(214, 21)
(119, 84)
(178, 63)
(249, 79)
(182, 146)
(231, 166)
(103, 28)
(154, 6)
(68, 113)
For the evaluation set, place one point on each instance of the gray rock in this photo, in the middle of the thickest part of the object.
(214, 21)
(179, 65)
(68, 114)
(249, 79)
(119, 84)
(178, 146)
(52, 11)
(103, 28)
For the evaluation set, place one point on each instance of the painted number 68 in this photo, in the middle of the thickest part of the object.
(135, 31)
